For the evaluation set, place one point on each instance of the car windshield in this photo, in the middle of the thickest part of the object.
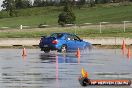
(57, 35)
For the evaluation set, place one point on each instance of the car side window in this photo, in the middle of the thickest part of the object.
(72, 37)
(53, 35)
(69, 37)
(57, 35)
(76, 38)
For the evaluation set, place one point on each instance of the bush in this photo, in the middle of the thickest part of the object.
(67, 16)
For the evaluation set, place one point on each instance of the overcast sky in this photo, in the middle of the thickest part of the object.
(1, 4)
(1, 1)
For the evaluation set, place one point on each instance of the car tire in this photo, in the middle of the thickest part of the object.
(64, 48)
(46, 51)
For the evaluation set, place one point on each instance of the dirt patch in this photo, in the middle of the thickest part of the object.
(19, 47)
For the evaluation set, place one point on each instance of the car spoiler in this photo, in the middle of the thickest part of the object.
(43, 36)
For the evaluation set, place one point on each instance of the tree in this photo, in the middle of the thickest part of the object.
(102, 1)
(67, 16)
(9, 6)
(81, 3)
(39, 3)
(92, 3)
(27, 3)
(20, 4)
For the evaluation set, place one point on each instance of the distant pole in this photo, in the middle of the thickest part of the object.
(100, 28)
(101, 25)
(20, 26)
(124, 26)
(75, 29)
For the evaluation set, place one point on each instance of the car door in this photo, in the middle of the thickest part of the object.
(71, 44)
(78, 42)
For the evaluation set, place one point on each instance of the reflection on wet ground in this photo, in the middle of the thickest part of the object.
(57, 70)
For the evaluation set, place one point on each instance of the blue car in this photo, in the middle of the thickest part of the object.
(62, 42)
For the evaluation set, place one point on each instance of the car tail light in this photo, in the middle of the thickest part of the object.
(54, 42)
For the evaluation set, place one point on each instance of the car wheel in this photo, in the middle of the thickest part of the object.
(64, 48)
(46, 51)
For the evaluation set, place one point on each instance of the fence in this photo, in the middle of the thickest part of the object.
(87, 29)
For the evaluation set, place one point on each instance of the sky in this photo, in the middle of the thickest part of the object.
(1, 4)
(1, 1)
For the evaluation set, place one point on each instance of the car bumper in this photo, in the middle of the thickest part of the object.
(49, 47)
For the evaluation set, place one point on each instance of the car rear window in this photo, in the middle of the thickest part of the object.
(57, 35)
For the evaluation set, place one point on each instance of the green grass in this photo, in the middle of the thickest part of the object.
(32, 17)
(82, 32)
(49, 15)
(110, 14)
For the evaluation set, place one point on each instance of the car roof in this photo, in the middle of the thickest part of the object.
(63, 33)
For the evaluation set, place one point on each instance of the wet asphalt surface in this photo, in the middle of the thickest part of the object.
(57, 70)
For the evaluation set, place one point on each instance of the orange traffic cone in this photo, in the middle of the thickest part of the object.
(78, 53)
(129, 53)
(24, 53)
(78, 60)
(24, 58)
(123, 45)
(86, 75)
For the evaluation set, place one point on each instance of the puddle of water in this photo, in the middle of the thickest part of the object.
(39, 70)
